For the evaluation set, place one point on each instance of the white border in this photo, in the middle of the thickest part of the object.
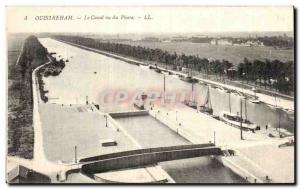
(3, 51)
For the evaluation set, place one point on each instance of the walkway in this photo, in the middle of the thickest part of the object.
(258, 153)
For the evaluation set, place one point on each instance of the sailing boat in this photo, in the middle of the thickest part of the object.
(254, 99)
(191, 103)
(274, 106)
(206, 107)
(141, 104)
(189, 78)
(235, 119)
(144, 66)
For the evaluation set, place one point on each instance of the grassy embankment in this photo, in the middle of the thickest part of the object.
(21, 63)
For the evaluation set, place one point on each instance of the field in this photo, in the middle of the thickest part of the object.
(20, 130)
(234, 54)
(14, 46)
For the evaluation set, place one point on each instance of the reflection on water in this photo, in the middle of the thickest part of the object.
(99, 78)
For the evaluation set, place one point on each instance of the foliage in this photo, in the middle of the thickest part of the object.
(275, 73)
(20, 130)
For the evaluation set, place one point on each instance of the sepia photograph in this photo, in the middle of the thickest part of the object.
(150, 95)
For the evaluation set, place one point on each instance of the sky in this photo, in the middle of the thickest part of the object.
(164, 19)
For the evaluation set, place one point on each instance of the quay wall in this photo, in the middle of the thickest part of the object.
(249, 177)
(106, 53)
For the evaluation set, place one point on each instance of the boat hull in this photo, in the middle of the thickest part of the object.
(237, 124)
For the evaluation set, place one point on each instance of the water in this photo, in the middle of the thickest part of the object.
(90, 76)
(151, 133)
(200, 170)
(93, 76)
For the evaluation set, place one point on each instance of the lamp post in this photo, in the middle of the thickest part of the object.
(105, 120)
(243, 74)
(75, 153)
(164, 89)
(241, 119)
(214, 137)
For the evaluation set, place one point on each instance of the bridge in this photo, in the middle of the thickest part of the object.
(143, 157)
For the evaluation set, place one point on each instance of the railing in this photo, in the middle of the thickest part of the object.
(146, 150)
(142, 159)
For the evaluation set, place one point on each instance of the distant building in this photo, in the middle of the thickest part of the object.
(150, 39)
(179, 39)
(204, 39)
(248, 43)
(220, 42)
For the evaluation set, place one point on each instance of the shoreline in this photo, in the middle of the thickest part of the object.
(121, 59)
(282, 103)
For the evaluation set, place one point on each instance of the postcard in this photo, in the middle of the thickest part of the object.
(150, 94)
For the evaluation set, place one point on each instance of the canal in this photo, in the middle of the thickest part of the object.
(113, 84)
(96, 78)
(151, 133)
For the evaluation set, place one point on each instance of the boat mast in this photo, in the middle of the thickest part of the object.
(279, 124)
(192, 99)
(208, 99)
(229, 103)
(245, 110)
(210, 106)
(241, 120)
(164, 88)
